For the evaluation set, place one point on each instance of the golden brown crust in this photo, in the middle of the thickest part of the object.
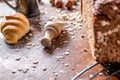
(14, 27)
(59, 3)
(69, 4)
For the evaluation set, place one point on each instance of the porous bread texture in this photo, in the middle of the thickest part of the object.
(102, 20)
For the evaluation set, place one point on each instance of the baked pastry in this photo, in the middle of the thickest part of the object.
(14, 27)
(52, 2)
(102, 19)
(69, 4)
(58, 3)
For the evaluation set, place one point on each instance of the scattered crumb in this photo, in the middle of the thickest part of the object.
(73, 68)
(14, 71)
(33, 44)
(53, 78)
(65, 42)
(73, 37)
(91, 76)
(82, 36)
(27, 68)
(35, 62)
(100, 74)
(26, 37)
(17, 50)
(59, 57)
(18, 58)
(19, 69)
(37, 44)
(28, 47)
(85, 50)
(66, 65)
(44, 69)
(61, 71)
(29, 44)
(30, 34)
(24, 71)
(38, 35)
(34, 66)
(56, 74)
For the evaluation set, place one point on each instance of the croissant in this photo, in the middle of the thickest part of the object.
(14, 27)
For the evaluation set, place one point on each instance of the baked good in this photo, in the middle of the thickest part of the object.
(102, 19)
(58, 3)
(52, 2)
(14, 27)
(69, 4)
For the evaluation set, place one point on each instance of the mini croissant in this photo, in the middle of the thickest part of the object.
(14, 27)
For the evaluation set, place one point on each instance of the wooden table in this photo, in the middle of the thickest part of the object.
(29, 60)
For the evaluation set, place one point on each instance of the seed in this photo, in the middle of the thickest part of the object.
(59, 57)
(35, 62)
(53, 78)
(25, 79)
(19, 69)
(68, 50)
(100, 74)
(65, 42)
(28, 47)
(73, 68)
(27, 68)
(78, 28)
(24, 71)
(18, 58)
(90, 76)
(17, 50)
(38, 35)
(73, 37)
(56, 74)
(44, 69)
(33, 44)
(61, 71)
(85, 50)
(82, 36)
(70, 29)
(66, 53)
(14, 71)
(26, 37)
(37, 44)
(66, 65)
(34, 66)
(29, 44)
(30, 34)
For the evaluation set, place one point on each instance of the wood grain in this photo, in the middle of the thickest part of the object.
(17, 62)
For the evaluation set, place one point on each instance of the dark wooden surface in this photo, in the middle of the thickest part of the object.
(29, 50)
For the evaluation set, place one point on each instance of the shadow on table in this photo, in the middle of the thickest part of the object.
(35, 28)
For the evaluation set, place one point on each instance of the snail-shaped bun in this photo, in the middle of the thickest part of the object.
(14, 27)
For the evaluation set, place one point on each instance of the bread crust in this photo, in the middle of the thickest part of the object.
(14, 27)
(101, 18)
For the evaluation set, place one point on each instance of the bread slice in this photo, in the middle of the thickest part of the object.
(102, 19)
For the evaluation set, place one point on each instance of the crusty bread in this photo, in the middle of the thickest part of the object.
(102, 19)
(14, 27)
